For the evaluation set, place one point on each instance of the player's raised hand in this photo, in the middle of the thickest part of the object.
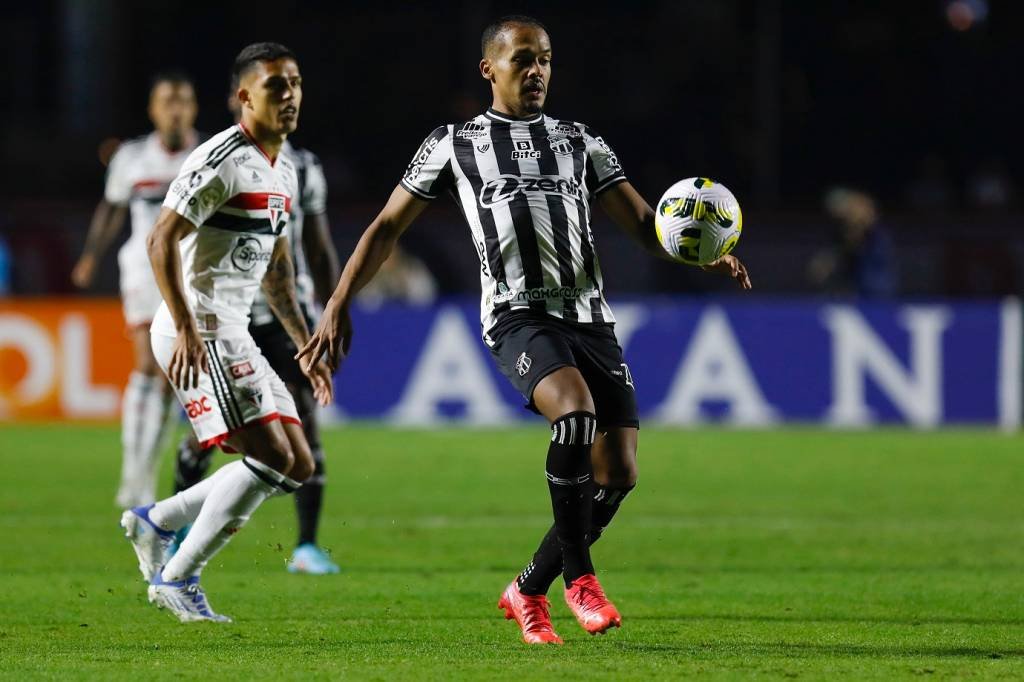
(320, 378)
(333, 336)
(188, 358)
(731, 267)
(84, 272)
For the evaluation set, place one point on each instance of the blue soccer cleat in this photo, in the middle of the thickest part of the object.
(311, 560)
(149, 541)
(184, 598)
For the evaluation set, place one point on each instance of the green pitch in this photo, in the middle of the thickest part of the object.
(796, 553)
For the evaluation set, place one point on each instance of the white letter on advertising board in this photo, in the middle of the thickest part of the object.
(451, 370)
(858, 352)
(715, 369)
(78, 396)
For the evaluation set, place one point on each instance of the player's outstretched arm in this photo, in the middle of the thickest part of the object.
(279, 288)
(633, 215)
(636, 217)
(107, 221)
(189, 354)
(333, 334)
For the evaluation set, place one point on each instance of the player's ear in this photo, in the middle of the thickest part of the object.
(486, 71)
(244, 98)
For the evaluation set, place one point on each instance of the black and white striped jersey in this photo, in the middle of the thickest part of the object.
(524, 187)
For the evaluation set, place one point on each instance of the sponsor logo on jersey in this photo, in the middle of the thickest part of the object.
(505, 295)
(241, 158)
(504, 188)
(567, 130)
(241, 369)
(428, 146)
(524, 150)
(471, 131)
(256, 177)
(482, 148)
(523, 364)
(613, 160)
(247, 253)
(195, 408)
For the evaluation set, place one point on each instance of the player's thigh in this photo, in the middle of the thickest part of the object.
(561, 392)
(536, 357)
(142, 350)
(266, 442)
(600, 361)
(614, 457)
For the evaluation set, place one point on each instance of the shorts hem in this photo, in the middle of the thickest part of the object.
(219, 439)
(539, 377)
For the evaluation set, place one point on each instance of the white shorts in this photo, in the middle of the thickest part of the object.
(140, 294)
(241, 389)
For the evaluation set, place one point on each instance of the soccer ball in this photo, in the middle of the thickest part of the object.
(698, 221)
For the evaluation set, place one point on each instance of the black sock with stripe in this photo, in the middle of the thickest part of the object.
(569, 483)
(546, 564)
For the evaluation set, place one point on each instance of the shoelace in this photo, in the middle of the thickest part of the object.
(536, 615)
(198, 598)
(590, 597)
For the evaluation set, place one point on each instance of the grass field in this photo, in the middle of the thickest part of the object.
(799, 553)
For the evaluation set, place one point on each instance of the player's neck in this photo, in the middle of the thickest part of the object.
(500, 107)
(173, 143)
(268, 142)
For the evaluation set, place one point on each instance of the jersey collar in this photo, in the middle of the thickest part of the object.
(505, 118)
(252, 140)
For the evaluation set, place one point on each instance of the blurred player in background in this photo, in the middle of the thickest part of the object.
(524, 182)
(138, 177)
(316, 271)
(218, 239)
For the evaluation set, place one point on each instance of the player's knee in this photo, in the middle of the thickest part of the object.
(303, 466)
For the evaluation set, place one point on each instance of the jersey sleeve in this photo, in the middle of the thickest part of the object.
(200, 189)
(603, 168)
(430, 172)
(118, 187)
(314, 191)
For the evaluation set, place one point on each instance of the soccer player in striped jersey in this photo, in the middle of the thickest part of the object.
(316, 271)
(219, 238)
(525, 182)
(137, 180)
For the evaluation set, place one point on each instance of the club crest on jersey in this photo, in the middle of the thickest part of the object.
(561, 144)
(276, 208)
(524, 150)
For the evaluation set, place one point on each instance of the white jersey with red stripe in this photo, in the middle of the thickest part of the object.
(239, 201)
(138, 176)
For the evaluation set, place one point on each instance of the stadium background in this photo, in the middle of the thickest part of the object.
(792, 551)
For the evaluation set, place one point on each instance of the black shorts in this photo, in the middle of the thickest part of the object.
(279, 350)
(528, 346)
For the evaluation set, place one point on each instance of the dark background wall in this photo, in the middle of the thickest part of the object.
(778, 99)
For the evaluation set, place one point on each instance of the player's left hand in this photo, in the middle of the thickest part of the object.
(320, 378)
(731, 267)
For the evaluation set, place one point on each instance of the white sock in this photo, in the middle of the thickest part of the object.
(176, 512)
(131, 421)
(239, 490)
(157, 417)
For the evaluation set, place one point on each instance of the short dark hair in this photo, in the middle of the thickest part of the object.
(496, 27)
(255, 53)
(172, 76)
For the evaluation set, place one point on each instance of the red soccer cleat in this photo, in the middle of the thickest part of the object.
(531, 612)
(591, 608)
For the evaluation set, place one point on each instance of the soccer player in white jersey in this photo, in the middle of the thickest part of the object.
(137, 180)
(316, 271)
(524, 182)
(219, 238)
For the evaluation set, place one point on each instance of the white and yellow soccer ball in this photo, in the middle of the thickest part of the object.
(698, 221)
